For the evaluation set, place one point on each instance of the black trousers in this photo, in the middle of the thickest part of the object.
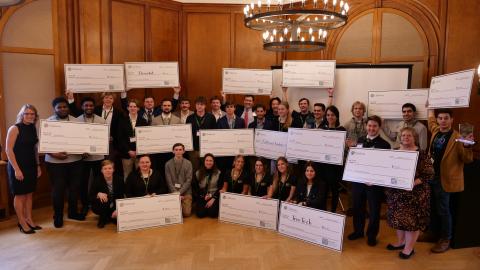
(104, 210)
(202, 211)
(88, 167)
(361, 194)
(65, 176)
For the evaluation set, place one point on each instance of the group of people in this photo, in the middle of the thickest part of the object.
(200, 180)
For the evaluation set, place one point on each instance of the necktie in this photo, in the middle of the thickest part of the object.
(149, 117)
(246, 118)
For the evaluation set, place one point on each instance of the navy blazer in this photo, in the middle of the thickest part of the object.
(125, 132)
(314, 198)
(100, 185)
(269, 124)
(222, 123)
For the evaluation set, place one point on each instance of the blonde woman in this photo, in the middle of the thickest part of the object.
(23, 165)
(284, 182)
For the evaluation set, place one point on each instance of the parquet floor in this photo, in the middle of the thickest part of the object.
(203, 244)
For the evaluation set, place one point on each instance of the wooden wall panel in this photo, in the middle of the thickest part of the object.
(208, 51)
(90, 36)
(128, 36)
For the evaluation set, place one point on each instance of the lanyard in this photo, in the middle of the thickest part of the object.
(235, 180)
(163, 121)
(282, 185)
(85, 118)
(177, 172)
(106, 114)
(202, 120)
(257, 184)
(146, 181)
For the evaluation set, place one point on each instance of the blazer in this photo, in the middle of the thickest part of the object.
(223, 123)
(156, 110)
(455, 156)
(178, 114)
(183, 179)
(269, 124)
(125, 132)
(135, 186)
(308, 118)
(158, 121)
(100, 185)
(313, 199)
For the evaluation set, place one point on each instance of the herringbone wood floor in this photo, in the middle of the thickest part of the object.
(202, 244)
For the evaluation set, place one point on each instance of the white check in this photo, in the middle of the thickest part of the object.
(248, 210)
(451, 90)
(146, 212)
(152, 74)
(388, 104)
(247, 81)
(270, 144)
(315, 226)
(160, 139)
(86, 78)
(381, 167)
(326, 146)
(226, 142)
(309, 74)
(73, 137)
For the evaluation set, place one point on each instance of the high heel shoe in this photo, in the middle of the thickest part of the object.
(23, 231)
(35, 228)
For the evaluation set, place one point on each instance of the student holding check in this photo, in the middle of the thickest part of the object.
(363, 192)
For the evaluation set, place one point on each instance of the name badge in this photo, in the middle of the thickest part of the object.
(198, 133)
(240, 181)
(133, 139)
(263, 184)
(360, 145)
(287, 184)
(178, 186)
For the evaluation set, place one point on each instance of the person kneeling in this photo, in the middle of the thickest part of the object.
(178, 173)
(105, 190)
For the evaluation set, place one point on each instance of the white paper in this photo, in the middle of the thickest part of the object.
(146, 212)
(270, 144)
(248, 210)
(160, 139)
(309, 74)
(227, 142)
(247, 81)
(312, 225)
(326, 146)
(381, 167)
(86, 78)
(73, 137)
(388, 104)
(451, 90)
(152, 74)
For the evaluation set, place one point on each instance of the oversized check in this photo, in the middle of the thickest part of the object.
(388, 104)
(86, 78)
(451, 90)
(247, 81)
(325, 146)
(270, 144)
(226, 142)
(309, 74)
(381, 167)
(314, 226)
(152, 74)
(160, 139)
(146, 212)
(73, 137)
(248, 210)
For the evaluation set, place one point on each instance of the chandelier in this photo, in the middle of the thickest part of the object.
(295, 26)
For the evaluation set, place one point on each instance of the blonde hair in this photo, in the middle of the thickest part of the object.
(277, 175)
(104, 94)
(361, 104)
(288, 121)
(21, 113)
(414, 134)
(107, 162)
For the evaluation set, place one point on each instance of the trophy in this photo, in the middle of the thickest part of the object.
(465, 130)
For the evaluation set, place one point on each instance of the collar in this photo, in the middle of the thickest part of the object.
(166, 115)
(372, 138)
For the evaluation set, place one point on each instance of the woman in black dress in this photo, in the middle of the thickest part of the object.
(145, 181)
(260, 180)
(23, 166)
(284, 182)
(237, 179)
(105, 190)
(331, 173)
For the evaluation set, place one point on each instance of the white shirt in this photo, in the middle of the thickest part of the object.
(248, 111)
(107, 115)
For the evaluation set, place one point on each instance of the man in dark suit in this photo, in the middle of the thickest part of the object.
(244, 111)
(261, 122)
(230, 120)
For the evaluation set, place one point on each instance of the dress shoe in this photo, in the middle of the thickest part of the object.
(355, 236)
(392, 247)
(441, 246)
(372, 241)
(406, 256)
(24, 231)
(76, 216)
(36, 227)
(58, 221)
(101, 223)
